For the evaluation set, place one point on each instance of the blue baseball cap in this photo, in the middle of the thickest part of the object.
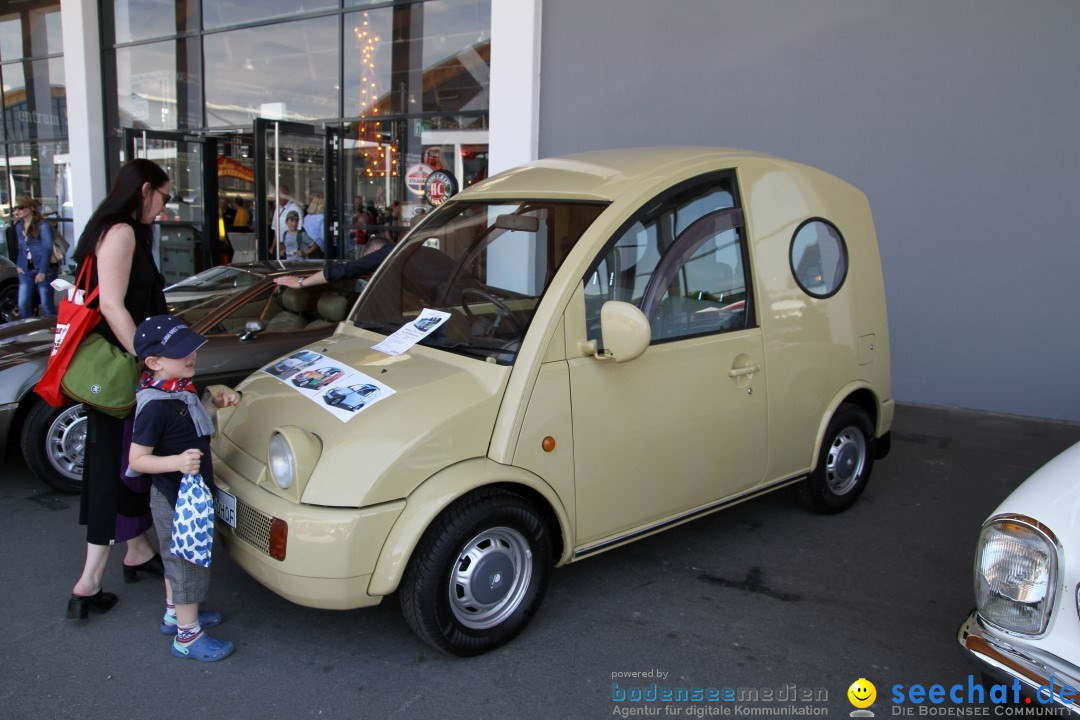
(166, 336)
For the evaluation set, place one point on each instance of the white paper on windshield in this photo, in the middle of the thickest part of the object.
(331, 384)
(411, 333)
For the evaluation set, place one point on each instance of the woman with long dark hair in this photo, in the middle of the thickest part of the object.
(34, 257)
(117, 241)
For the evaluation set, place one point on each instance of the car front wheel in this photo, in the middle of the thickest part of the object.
(53, 444)
(9, 301)
(478, 574)
(844, 463)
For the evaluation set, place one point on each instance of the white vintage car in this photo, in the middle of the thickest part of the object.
(1026, 625)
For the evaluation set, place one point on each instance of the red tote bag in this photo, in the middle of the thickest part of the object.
(74, 321)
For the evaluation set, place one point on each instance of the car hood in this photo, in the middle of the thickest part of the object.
(1051, 496)
(23, 339)
(442, 412)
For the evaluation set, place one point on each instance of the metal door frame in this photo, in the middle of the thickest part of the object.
(331, 173)
(209, 227)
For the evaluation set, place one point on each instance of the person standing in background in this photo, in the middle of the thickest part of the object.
(228, 213)
(33, 257)
(314, 226)
(242, 219)
(286, 205)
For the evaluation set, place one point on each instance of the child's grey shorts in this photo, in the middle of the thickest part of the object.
(190, 582)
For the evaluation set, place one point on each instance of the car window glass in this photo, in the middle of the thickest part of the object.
(487, 265)
(703, 293)
(256, 307)
(215, 279)
(818, 258)
(193, 309)
(707, 293)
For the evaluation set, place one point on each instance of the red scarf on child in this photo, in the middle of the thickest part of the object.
(171, 385)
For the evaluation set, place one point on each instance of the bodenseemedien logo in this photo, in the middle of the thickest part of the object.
(862, 694)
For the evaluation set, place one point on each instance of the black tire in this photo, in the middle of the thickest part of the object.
(53, 442)
(9, 302)
(485, 536)
(844, 463)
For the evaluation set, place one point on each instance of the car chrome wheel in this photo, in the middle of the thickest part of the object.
(490, 578)
(65, 442)
(478, 574)
(845, 461)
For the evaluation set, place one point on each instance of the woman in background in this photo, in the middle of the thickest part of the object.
(33, 257)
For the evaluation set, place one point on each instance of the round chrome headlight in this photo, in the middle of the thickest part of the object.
(1016, 575)
(282, 462)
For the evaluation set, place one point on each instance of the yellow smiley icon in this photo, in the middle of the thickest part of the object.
(862, 693)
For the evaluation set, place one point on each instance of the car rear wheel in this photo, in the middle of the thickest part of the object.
(844, 463)
(53, 444)
(478, 574)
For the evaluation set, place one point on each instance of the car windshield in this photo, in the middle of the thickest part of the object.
(193, 307)
(215, 279)
(486, 264)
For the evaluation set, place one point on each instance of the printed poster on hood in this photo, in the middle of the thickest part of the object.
(329, 383)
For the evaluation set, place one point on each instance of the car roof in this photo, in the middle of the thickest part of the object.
(602, 176)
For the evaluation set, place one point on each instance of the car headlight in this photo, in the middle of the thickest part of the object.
(1016, 566)
(282, 461)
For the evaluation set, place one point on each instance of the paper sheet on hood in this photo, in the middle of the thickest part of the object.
(411, 333)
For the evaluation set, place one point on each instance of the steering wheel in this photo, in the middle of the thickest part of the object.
(501, 311)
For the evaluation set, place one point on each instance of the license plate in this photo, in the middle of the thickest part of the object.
(225, 507)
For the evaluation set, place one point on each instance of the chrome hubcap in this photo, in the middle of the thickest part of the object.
(65, 442)
(490, 577)
(845, 461)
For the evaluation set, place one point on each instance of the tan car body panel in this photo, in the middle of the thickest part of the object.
(457, 423)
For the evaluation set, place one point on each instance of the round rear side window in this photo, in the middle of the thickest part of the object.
(818, 258)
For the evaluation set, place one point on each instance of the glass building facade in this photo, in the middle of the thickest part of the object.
(34, 132)
(350, 101)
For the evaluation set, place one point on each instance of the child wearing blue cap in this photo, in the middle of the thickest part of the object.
(170, 441)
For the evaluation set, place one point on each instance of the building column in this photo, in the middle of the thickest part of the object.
(85, 108)
(515, 83)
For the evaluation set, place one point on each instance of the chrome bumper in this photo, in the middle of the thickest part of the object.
(997, 658)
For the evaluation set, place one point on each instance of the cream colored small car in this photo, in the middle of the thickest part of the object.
(626, 340)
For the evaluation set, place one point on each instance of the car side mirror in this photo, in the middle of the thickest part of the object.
(252, 328)
(625, 331)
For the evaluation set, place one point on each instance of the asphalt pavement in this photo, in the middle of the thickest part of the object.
(784, 608)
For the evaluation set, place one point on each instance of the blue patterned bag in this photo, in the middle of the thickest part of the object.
(193, 522)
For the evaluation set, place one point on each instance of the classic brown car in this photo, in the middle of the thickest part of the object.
(248, 321)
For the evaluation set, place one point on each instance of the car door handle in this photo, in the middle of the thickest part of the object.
(745, 370)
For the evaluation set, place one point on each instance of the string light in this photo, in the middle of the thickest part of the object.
(371, 126)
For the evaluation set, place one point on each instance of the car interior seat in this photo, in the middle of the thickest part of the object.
(332, 309)
(294, 301)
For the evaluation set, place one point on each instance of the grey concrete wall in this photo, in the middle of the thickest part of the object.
(960, 119)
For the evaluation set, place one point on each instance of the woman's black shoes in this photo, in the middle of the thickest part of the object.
(79, 606)
(153, 566)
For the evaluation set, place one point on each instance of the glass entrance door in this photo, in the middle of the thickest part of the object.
(236, 196)
(185, 237)
(295, 172)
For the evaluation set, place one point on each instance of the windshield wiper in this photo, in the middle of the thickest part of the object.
(469, 349)
(380, 327)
